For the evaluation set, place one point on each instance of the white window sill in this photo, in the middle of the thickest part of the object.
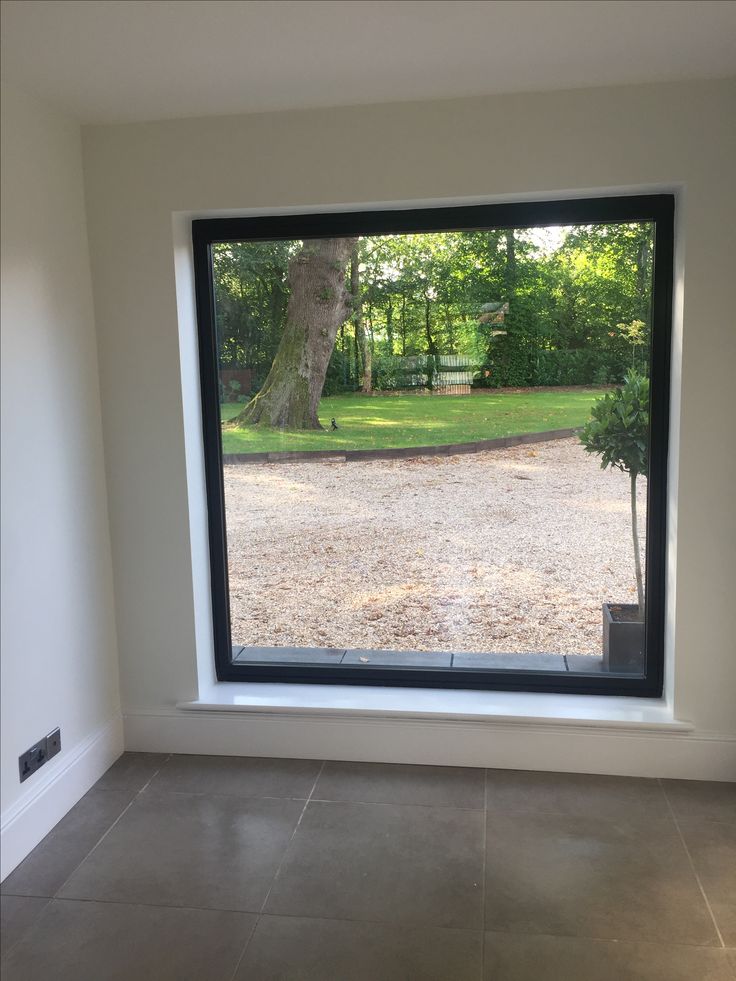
(429, 704)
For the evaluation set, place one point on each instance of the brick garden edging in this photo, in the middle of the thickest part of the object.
(398, 453)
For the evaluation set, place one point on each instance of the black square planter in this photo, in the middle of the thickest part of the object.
(623, 639)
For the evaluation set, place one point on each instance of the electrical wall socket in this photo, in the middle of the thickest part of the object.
(38, 754)
(32, 759)
(53, 743)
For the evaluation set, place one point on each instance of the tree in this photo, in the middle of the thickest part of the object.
(418, 296)
(319, 303)
(250, 300)
(361, 338)
(635, 334)
(603, 277)
(618, 431)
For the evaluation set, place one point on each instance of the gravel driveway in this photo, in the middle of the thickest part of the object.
(508, 550)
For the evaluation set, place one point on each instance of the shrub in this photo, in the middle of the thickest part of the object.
(579, 366)
(618, 431)
(339, 377)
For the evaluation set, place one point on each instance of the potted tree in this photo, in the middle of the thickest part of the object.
(618, 431)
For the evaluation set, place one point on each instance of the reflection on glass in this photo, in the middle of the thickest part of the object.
(435, 447)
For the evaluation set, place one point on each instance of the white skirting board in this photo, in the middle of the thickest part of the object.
(54, 790)
(524, 746)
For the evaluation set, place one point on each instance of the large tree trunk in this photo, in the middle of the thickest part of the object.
(361, 339)
(367, 386)
(318, 305)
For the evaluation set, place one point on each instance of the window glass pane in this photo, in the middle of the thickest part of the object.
(435, 448)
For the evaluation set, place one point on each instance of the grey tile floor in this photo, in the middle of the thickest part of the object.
(243, 869)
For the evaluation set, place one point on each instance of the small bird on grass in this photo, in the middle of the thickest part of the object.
(333, 425)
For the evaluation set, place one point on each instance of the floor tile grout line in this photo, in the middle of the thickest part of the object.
(137, 902)
(378, 923)
(31, 925)
(120, 816)
(597, 939)
(246, 945)
(692, 866)
(50, 899)
(390, 803)
(313, 800)
(254, 913)
(277, 872)
(293, 835)
(507, 811)
(219, 796)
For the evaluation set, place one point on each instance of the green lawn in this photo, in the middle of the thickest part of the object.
(377, 422)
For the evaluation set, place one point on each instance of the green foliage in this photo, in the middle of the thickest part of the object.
(579, 305)
(579, 366)
(390, 373)
(618, 429)
(374, 421)
(511, 356)
(636, 335)
(339, 374)
(232, 392)
(251, 294)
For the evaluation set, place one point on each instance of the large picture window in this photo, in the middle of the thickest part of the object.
(436, 444)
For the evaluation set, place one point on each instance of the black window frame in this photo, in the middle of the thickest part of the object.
(658, 209)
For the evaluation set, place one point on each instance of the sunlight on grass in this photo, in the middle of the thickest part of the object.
(376, 421)
(380, 422)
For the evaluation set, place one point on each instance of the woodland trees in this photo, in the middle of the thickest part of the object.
(579, 309)
(318, 304)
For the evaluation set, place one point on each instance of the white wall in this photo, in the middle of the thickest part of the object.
(59, 654)
(678, 136)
